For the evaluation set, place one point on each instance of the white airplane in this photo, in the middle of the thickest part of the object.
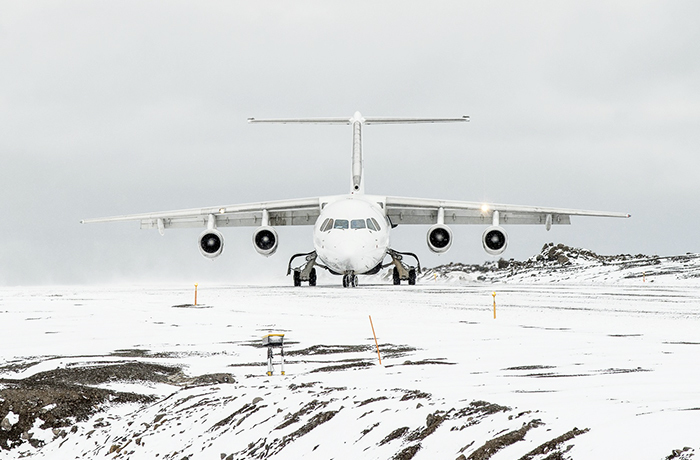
(351, 233)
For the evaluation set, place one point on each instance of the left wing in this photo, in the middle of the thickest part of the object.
(303, 211)
(403, 210)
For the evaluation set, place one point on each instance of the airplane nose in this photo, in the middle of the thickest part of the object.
(349, 255)
(349, 249)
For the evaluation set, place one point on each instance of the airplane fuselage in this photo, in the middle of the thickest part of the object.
(351, 235)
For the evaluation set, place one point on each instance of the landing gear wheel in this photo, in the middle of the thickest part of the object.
(412, 276)
(349, 281)
(312, 277)
(397, 277)
(297, 278)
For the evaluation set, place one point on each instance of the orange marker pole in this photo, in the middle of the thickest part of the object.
(494, 304)
(375, 340)
(195, 294)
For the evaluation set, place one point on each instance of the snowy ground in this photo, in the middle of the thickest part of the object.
(582, 369)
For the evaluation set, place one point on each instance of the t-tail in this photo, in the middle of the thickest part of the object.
(357, 184)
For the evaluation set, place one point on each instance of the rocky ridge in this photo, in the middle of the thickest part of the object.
(559, 262)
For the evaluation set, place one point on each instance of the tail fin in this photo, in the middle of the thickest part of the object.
(357, 120)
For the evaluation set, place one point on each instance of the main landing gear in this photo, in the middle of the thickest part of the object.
(402, 271)
(305, 272)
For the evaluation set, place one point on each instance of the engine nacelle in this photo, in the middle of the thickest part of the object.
(265, 240)
(211, 243)
(439, 238)
(495, 240)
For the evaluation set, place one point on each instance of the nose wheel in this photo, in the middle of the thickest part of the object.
(350, 280)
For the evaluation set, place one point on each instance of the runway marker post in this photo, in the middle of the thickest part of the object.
(195, 294)
(494, 304)
(375, 340)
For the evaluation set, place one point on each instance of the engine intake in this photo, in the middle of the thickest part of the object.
(265, 240)
(439, 238)
(211, 243)
(495, 240)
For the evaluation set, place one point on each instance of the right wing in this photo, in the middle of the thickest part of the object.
(303, 211)
(402, 210)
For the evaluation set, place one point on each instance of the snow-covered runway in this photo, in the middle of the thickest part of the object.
(621, 361)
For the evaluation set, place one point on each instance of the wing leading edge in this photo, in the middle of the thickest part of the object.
(402, 210)
(303, 211)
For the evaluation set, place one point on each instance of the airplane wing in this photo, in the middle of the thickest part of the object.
(303, 211)
(403, 210)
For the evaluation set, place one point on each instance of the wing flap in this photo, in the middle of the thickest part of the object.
(471, 217)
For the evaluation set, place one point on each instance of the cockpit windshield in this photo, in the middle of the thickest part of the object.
(357, 224)
(341, 224)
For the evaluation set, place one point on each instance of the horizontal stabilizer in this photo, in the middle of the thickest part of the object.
(403, 120)
(329, 121)
(358, 117)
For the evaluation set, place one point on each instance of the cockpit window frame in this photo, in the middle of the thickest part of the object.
(358, 224)
(327, 225)
(338, 221)
(370, 225)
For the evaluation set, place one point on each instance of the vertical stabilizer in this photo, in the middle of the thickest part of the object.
(358, 169)
(357, 182)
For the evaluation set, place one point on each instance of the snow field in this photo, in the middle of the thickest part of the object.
(621, 360)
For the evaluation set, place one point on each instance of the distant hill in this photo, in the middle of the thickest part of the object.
(561, 263)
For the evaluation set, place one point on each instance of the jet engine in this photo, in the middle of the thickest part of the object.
(439, 238)
(211, 243)
(265, 240)
(495, 240)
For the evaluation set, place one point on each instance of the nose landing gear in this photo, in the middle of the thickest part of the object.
(350, 280)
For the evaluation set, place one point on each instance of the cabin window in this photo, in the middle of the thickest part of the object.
(370, 225)
(376, 224)
(341, 224)
(357, 224)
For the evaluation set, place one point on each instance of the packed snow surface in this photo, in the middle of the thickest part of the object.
(581, 368)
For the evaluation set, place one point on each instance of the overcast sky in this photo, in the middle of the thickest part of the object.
(111, 108)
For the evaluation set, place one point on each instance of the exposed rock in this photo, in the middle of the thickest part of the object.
(554, 445)
(5, 425)
(563, 259)
(408, 453)
(685, 453)
(494, 445)
(397, 433)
